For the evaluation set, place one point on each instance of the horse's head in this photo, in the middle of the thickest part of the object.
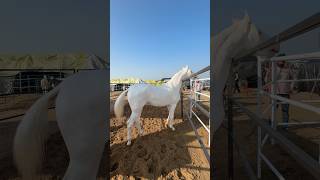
(250, 36)
(186, 73)
(256, 36)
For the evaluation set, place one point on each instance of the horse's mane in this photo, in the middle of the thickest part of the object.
(224, 35)
(227, 44)
(175, 77)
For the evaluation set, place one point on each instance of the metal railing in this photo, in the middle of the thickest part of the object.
(30, 83)
(307, 162)
(194, 100)
(196, 85)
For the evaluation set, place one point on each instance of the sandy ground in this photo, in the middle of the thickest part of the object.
(246, 135)
(56, 154)
(160, 153)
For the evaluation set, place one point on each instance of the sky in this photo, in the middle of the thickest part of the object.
(59, 26)
(154, 39)
(272, 17)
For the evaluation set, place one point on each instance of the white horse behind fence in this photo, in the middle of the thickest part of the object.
(139, 95)
(242, 35)
(81, 111)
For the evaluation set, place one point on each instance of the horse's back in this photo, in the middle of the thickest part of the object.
(141, 94)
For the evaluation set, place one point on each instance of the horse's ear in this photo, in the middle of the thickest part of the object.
(184, 68)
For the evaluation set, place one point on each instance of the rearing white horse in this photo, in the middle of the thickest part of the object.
(81, 111)
(139, 95)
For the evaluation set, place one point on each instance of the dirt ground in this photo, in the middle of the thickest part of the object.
(56, 155)
(160, 153)
(246, 135)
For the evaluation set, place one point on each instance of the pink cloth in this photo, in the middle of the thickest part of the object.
(283, 74)
(197, 86)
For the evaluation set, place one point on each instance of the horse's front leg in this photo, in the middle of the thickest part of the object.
(138, 126)
(171, 116)
(167, 122)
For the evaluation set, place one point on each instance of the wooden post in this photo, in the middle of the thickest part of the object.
(29, 90)
(181, 102)
(230, 140)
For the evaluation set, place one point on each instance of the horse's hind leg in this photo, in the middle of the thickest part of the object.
(133, 118)
(171, 116)
(129, 125)
(85, 135)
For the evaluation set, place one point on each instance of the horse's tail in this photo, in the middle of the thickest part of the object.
(30, 134)
(119, 104)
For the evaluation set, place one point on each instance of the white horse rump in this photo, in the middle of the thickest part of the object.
(81, 111)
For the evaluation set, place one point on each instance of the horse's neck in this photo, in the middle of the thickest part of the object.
(175, 82)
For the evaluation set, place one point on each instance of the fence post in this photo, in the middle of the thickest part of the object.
(230, 125)
(20, 84)
(259, 70)
(230, 139)
(273, 101)
(28, 77)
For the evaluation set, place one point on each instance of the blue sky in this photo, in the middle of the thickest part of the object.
(154, 39)
(272, 17)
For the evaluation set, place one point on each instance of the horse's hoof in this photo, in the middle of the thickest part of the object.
(173, 129)
(128, 143)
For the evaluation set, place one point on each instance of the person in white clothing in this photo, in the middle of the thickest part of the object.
(197, 88)
(44, 84)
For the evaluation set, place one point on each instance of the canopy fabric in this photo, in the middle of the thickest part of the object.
(125, 81)
(49, 61)
(135, 81)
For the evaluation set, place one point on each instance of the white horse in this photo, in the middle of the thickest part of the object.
(240, 36)
(81, 111)
(139, 95)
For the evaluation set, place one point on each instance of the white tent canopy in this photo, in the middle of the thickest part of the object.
(44, 61)
(50, 61)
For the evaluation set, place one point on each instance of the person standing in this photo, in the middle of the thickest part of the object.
(44, 84)
(284, 88)
(198, 88)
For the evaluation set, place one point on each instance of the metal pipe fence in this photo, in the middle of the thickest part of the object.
(194, 103)
(28, 80)
(307, 162)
